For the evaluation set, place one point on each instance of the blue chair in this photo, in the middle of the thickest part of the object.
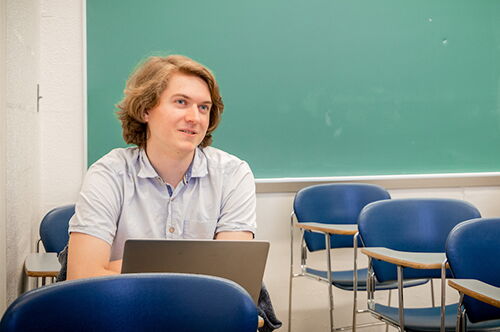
(411, 225)
(135, 302)
(472, 250)
(54, 237)
(338, 203)
(54, 228)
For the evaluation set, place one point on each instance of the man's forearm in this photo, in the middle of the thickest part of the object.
(89, 273)
(89, 256)
(115, 266)
(244, 235)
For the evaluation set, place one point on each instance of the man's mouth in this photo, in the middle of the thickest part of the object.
(187, 131)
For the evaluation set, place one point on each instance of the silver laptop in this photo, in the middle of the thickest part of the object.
(240, 261)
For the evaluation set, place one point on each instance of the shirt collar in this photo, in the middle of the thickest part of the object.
(197, 168)
(146, 170)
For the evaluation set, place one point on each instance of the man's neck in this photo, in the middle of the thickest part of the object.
(170, 166)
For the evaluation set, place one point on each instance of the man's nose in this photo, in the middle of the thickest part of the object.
(192, 113)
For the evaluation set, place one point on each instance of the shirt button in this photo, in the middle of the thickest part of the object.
(171, 229)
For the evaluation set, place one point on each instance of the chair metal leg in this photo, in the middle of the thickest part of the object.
(388, 304)
(443, 295)
(25, 283)
(461, 325)
(432, 294)
(38, 245)
(355, 282)
(355, 310)
(330, 287)
(291, 276)
(401, 303)
(370, 285)
(370, 281)
(290, 304)
(303, 252)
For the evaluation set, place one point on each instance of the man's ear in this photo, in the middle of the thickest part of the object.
(146, 116)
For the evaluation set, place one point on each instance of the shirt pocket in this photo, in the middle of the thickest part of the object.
(199, 229)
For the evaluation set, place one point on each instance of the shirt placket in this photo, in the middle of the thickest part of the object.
(170, 229)
(174, 219)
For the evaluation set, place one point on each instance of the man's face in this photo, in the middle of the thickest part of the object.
(179, 122)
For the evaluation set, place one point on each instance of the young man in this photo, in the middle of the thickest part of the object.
(172, 184)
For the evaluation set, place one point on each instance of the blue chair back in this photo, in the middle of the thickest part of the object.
(135, 302)
(472, 250)
(337, 203)
(54, 228)
(415, 225)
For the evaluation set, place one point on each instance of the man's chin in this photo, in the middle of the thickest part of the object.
(188, 147)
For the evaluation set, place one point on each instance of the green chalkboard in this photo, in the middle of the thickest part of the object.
(319, 87)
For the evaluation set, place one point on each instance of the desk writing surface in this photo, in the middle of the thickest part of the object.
(340, 229)
(478, 290)
(42, 265)
(416, 260)
(319, 87)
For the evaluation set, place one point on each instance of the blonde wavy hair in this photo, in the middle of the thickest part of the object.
(145, 86)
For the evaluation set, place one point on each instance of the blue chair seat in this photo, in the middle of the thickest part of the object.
(428, 319)
(343, 280)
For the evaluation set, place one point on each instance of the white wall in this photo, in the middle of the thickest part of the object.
(22, 167)
(3, 257)
(61, 108)
(60, 160)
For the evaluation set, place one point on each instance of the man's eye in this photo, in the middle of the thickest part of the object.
(181, 101)
(204, 108)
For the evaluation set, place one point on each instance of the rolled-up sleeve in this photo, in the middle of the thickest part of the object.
(238, 201)
(99, 204)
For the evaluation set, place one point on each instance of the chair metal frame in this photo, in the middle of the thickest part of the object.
(370, 287)
(328, 280)
(400, 323)
(460, 243)
(400, 280)
(461, 325)
(329, 273)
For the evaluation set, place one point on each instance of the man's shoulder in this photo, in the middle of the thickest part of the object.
(222, 160)
(118, 160)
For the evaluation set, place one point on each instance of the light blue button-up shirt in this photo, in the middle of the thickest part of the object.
(123, 197)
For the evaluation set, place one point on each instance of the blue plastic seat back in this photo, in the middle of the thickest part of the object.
(54, 228)
(473, 250)
(338, 203)
(135, 302)
(415, 225)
